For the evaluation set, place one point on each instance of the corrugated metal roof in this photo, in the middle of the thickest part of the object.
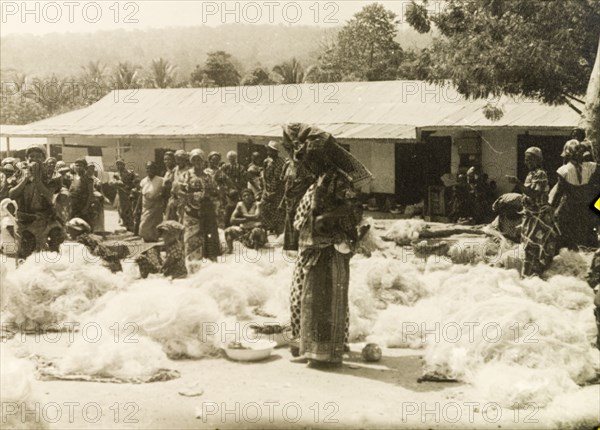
(352, 110)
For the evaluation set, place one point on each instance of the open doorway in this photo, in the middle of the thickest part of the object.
(551, 146)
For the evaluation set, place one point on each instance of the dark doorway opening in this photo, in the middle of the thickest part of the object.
(246, 149)
(158, 158)
(551, 146)
(419, 166)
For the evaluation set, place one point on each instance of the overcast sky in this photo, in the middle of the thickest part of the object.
(42, 17)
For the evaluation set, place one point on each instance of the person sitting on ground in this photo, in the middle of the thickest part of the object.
(246, 226)
(172, 265)
(80, 232)
(508, 222)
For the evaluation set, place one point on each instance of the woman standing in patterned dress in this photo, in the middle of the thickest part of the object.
(201, 237)
(539, 232)
(327, 220)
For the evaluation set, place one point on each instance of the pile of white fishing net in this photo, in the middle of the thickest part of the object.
(514, 341)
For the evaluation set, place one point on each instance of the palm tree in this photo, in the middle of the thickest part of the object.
(54, 93)
(94, 72)
(126, 76)
(162, 73)
(289, 72)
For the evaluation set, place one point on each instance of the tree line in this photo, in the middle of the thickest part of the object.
(542, 50)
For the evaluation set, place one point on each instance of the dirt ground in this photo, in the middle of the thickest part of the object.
(275, 393)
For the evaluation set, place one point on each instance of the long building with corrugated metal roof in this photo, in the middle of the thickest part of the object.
(408, 133)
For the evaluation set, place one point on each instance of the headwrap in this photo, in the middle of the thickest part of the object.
(570, 149)
(9, 160)
(197, 153)
(536, 152)
(78, 224)
(273, 145)
(306, 138)
(35, 148)
(181, 154)
(170, 227)
(81, 161)
(246, 191)
(214, 154)
(50, 160)
(230, 153)
(169, 153)
(61, 166)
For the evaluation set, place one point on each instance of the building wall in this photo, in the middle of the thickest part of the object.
(498, 154)
(379, 158)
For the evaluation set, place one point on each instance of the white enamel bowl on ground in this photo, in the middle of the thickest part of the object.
(254, 351)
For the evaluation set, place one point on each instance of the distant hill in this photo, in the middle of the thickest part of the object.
(65, 53)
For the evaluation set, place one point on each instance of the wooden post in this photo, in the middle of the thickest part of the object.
(7, 146)
(62, 148)
(48, 148)
(183, 144)
(118, 148)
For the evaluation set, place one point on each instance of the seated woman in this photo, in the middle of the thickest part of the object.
(508, 222)
(80, 231)
(172, 265)
(246, 226)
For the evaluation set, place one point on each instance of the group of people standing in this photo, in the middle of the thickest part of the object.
(561, 217)
(47, 194)
(205, 194)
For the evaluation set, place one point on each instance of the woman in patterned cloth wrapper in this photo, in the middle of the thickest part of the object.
(176, 204)
(220, 180)
(539, 231)
(246, 226)
(173, 263)
(327, 220)
(80, 232)
(201, 236)
(296, 179)
(273, 216)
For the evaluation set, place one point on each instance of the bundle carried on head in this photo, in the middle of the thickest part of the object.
(299, 138)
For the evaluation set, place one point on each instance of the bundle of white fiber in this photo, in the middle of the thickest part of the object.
(3, 272)
(574, 410)
(561, 291)
(364, 307)
(124, 355)
(405, 230)
(371, 241)
(513, 331)
(253, 281)
(520, 387)
(407, 326)
(476, 249)
(52, 288)
(568, 263)
(184, 320)
(16, 392)
(393, 282)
